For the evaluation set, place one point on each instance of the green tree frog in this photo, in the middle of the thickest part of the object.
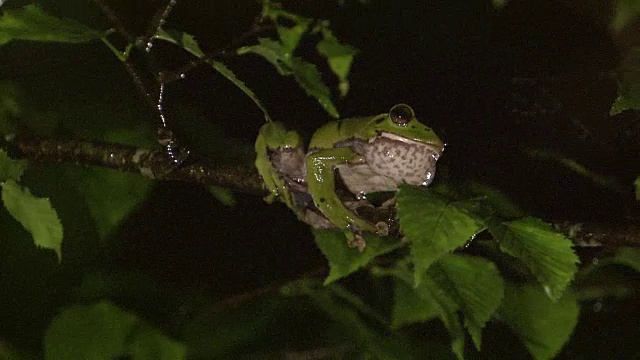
(370, 154)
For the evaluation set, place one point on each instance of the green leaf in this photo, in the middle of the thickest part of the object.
(339, 57)
(435, 226)
(189, 44)
(476, 286)
(289, 35)
(96, 332)
(626, 256)
(150, 344)
(308, 77)
(409, 308)
(306, 74)
(430, 289)
(637, 186)
(227, 73)
(624, 101)
(125, 192)
(224, 195)
(33, 24)
(499, 4)
(9, 352)
(344, 260)
(435, 300)
(626, 11)
(105, 331)
(182, 39)
(370, 343)
(547, 253)
(628, 76)
(356, 302)
(451, 321)
(10, 168)
(10, 108)
(273, 52)
(606, 181)
(455, 283)
(35, 214)
(225, 334)
(501, 204)
(543, 325)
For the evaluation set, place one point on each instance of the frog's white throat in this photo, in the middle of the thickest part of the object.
(388, 161)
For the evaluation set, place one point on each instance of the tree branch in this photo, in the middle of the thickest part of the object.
(152, 163)
(244, 178)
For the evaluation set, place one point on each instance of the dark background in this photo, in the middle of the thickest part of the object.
(491, 83)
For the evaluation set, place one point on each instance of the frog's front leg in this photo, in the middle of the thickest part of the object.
(274, 137)
(321, 183)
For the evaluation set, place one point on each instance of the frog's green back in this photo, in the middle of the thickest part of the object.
(340, 130)
(366, 128)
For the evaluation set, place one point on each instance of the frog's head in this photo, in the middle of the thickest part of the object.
(401, 122)
(401, 147)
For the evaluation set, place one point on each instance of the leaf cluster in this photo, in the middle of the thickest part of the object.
(435, 280)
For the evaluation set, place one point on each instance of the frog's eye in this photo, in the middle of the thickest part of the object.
(401, 114)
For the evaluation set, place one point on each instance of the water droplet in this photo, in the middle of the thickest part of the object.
(597, 306)
(428, 178)
(468, 243)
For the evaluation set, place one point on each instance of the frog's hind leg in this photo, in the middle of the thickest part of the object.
(321, 183)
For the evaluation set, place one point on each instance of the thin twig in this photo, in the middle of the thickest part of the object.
(113, 18)
(257, 28)
(129, 66)
(158, 20)
(239, 299)
(142, 88)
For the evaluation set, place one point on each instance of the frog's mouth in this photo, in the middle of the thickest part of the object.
(434, 150)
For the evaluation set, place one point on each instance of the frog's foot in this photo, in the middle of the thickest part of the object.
(353, 205)
(355, 240)
(382, 228)
(389, 203)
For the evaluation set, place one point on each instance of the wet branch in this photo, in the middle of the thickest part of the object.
(151, 163)
(243, 178)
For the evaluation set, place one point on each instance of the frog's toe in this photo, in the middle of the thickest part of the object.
(382, 228)
(389, 203)
(269, 198)
(356, 241)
